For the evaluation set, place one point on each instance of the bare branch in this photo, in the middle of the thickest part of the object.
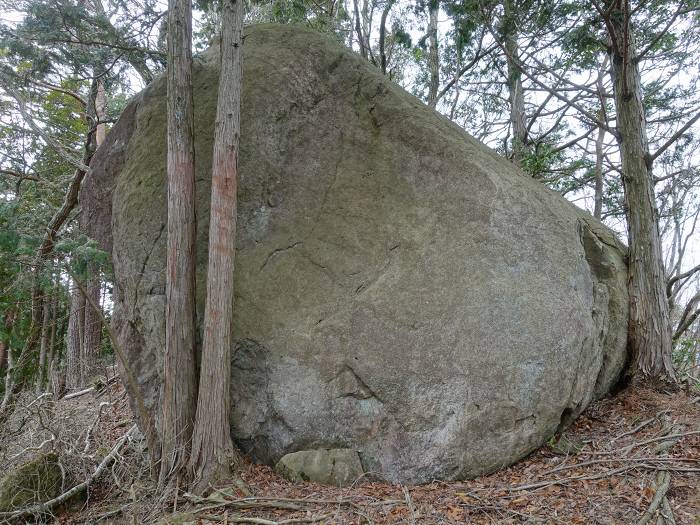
(675, 137)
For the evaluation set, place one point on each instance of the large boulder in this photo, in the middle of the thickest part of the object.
(401, 290)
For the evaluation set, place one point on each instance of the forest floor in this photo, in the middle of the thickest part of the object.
(620, 457)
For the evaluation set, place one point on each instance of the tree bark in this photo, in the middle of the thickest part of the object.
(44, 345)
(92, 328)
(179, 362)
(213, 453)
(74, 338)
(5, 343)
(9, 358)
(649, 325)
(382, 36)
(598, 196)
(51, 358)
(433, 52)
(515, 84)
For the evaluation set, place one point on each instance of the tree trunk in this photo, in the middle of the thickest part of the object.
(44, 345)
(51, 358)
(212, 448)
(598, 197)
(92, 328)
(179, 361)
(101, 112)
(358, 31)
(433, 52)
(74, 338)
(382, 36)
(649, 325)
(515, 84)
(5, 343)
(7, 396)
(9, 358)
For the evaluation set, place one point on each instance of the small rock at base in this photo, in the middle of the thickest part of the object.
(338, 466)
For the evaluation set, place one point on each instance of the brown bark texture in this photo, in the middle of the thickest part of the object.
(649, 325)
(213, 452)
(74, 338)
(179, 362)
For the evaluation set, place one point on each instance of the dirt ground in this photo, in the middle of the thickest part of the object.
(604, 470)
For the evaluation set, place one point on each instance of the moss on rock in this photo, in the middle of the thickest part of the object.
(37, 481)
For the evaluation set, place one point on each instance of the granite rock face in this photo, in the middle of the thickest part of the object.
(401, 290)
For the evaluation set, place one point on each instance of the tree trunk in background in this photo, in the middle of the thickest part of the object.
(433, 52)
(51, 358)
(649, 325)
(179, 361)
(5, 343)
(213, 452)
(382, 36)
(358, 31)
(9, 358)
(515, 83)
(74, 338)
(92, 326)
(8, 378)
(44, 344)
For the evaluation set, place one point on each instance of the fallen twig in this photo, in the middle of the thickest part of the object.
(663, 481)
(42, 508)
(79, 393)
(409, 504)
(641, 425)
(262, 521)
(617, 460)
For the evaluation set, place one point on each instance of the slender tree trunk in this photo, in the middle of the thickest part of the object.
(92, 328)
(382, 36)
(650, 324)
(5, 343)
(598, 198)
(358, 30)
(179, 363)
(74, 338)
(51, 358)
(9, 359)
(433, 52)
(44, 345)
(598, 206)
(515, 84)
(9, 380)
(212, 448)
(101, 112)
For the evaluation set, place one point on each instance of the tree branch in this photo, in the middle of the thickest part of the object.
(675, 137)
